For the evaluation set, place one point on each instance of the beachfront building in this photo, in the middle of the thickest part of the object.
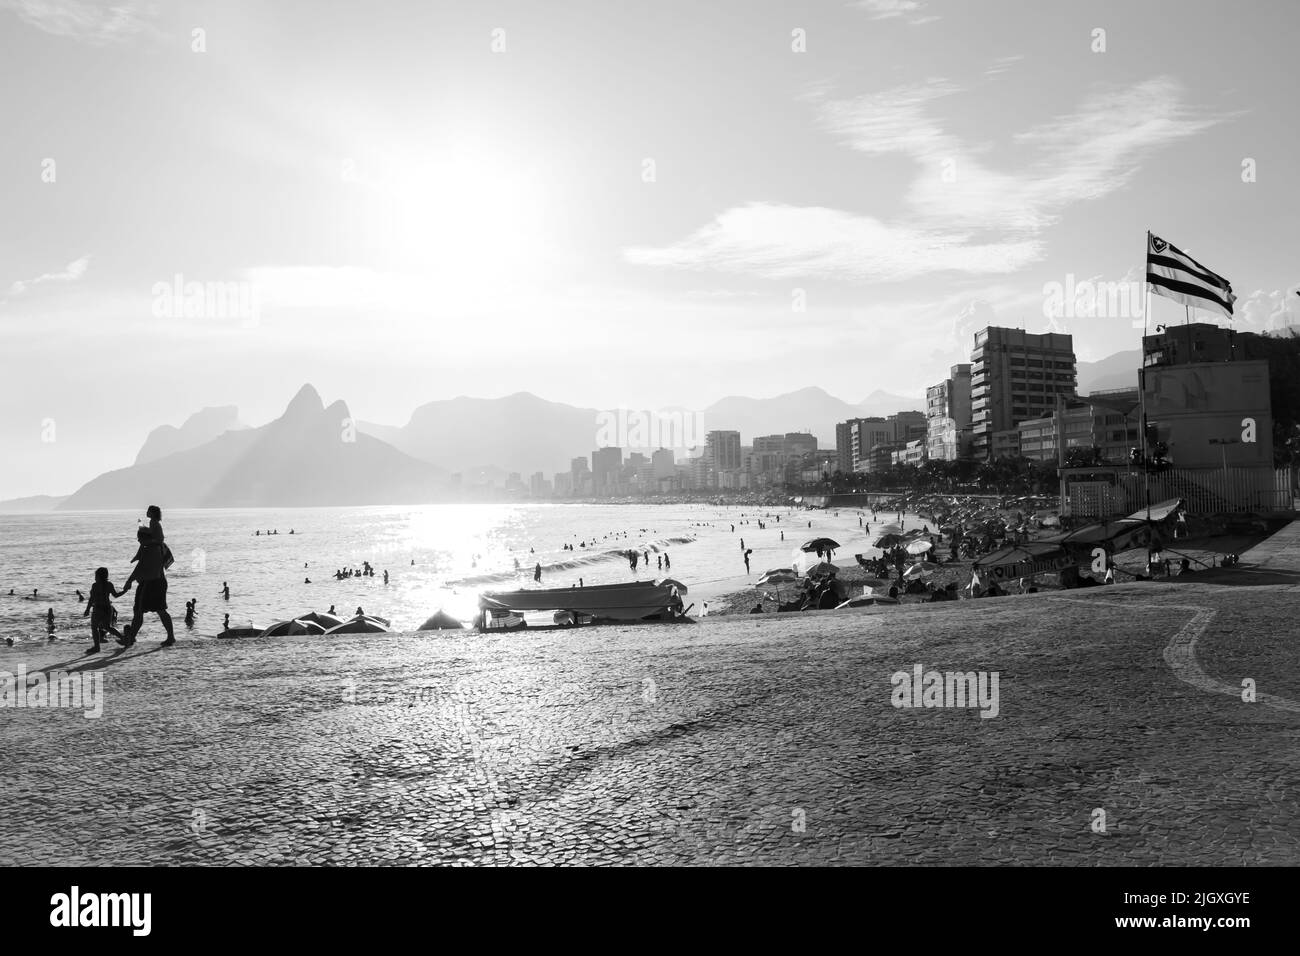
(1109, 421)
(908, 426)
(699, 472)
(1006, 443)
(1212, 415)
(864, 435)
(780, 459)
(913, 453)
(947, 411)
(1199, 342)
(722, 448)
(606, 470)
(580, 476)
(1015, 377)
(664, 463)
(563, 484)
(767, 459)
(881, 457)
(538, 486)
(1209, 442)
(844, 447)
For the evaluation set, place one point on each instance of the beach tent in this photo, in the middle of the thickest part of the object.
(1023, 561)
(1160, 511)
(1114, 536)
(440, 620)
(672, 583)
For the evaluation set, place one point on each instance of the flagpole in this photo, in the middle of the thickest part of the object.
(1142, 384)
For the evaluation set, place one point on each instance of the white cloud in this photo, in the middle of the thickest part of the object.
(70, 273)
(96, 22)
(1002, 64)
(962, 215)
(789, 242)
(894, 9)
(1270, 311)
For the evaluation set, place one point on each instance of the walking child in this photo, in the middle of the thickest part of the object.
(100, 610)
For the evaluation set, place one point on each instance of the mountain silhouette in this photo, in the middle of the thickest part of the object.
(309, 456)
(199, 428)
(1114, 371)
(520, 432)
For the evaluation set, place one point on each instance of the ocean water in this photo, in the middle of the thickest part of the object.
(458, 551)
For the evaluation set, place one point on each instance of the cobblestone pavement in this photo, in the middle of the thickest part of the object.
(732, 741)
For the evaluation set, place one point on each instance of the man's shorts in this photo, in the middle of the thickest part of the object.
(151, 596)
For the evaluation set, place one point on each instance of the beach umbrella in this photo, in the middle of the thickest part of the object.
(920, 569)
(890, 529)
(440, 620)
(819, 544)
(887, 540)
(674, 583)
(918, 547)
(359, 625)
(778, 577)
(819, 570)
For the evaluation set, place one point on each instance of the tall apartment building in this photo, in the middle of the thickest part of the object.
(580, 473)
(724, 450)
(606, 469)
(1016, 376)
(947, 412)
(907, 426)
(864, 435)
(844, 447)
(768, 456)
(664, 463)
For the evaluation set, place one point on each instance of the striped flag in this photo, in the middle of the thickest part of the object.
(1176, 275)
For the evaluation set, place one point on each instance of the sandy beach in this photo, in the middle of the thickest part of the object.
(692, 744)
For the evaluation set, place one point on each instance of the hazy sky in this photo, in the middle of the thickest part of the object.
(621, 205)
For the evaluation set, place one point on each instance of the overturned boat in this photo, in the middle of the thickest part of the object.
(638, 602)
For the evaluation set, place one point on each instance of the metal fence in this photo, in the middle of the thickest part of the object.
(1206, 491)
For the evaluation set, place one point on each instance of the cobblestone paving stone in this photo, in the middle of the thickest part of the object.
(704, 744)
